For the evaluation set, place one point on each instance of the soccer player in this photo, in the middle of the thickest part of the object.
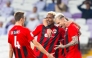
(49, 31)
(19, 39)
(72, 47)
(48, 43)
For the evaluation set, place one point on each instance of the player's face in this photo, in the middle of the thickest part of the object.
(60, 22)
(50, 19)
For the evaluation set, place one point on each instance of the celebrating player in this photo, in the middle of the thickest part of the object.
(19, 39)
(72, 47)
(48, 42)
(49, 31)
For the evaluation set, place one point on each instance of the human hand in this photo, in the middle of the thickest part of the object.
(50, 55)
(59, 46)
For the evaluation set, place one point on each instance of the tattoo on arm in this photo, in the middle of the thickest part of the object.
(73, 42)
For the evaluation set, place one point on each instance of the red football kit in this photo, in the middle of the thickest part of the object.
(72, 51)
(48, 43)
(19, 37)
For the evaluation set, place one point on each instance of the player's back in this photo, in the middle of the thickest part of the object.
(19, 38)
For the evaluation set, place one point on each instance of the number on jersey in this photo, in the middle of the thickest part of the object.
(16, 43)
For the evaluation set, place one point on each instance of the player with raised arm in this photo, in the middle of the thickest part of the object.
(49, 31)
(19, 39)
(71, 46)
(49, 42)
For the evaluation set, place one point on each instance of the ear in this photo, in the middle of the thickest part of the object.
(21, 19)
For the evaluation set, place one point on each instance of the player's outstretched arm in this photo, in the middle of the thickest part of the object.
(10, 51)
(39, 47)
(73, 42)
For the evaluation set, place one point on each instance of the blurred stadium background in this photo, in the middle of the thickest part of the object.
(35, 11)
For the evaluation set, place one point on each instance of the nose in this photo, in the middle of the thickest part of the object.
(59, 25)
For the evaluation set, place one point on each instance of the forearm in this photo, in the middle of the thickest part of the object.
(73, 42)
(39, 47)
(10, 53)
(70, 44)
(79, 7)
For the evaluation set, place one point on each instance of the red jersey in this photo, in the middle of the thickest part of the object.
(19, 37)
(47, 43)
(72, 51)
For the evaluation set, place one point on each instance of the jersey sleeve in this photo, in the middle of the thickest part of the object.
(29, 36)
(9, 41)
(37, 31)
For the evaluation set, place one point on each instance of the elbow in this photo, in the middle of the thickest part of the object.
(36, 44)
(79, 7)
(11, 50)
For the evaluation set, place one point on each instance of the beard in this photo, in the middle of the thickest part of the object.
(50, 22)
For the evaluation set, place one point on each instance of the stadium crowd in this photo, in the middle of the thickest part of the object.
(33, 17)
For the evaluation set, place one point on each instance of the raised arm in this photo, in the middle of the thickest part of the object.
(45, 22)
(49, 31)
(80, 8)
(74, 41)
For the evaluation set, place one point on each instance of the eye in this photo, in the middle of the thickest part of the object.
(58, 23)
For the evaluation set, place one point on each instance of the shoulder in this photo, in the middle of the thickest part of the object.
(25, 29)
(73, 27)
(40, 26)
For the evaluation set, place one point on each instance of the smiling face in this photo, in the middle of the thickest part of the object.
(60, 21)
(50, 18)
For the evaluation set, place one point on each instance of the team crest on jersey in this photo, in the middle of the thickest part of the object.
(54, 31)
(45, 35)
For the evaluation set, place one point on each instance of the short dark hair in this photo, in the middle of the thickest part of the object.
(18, 16)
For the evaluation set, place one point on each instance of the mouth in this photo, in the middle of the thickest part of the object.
(48, 21)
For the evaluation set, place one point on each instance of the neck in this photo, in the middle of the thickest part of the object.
(18, 23)
(51, 25)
